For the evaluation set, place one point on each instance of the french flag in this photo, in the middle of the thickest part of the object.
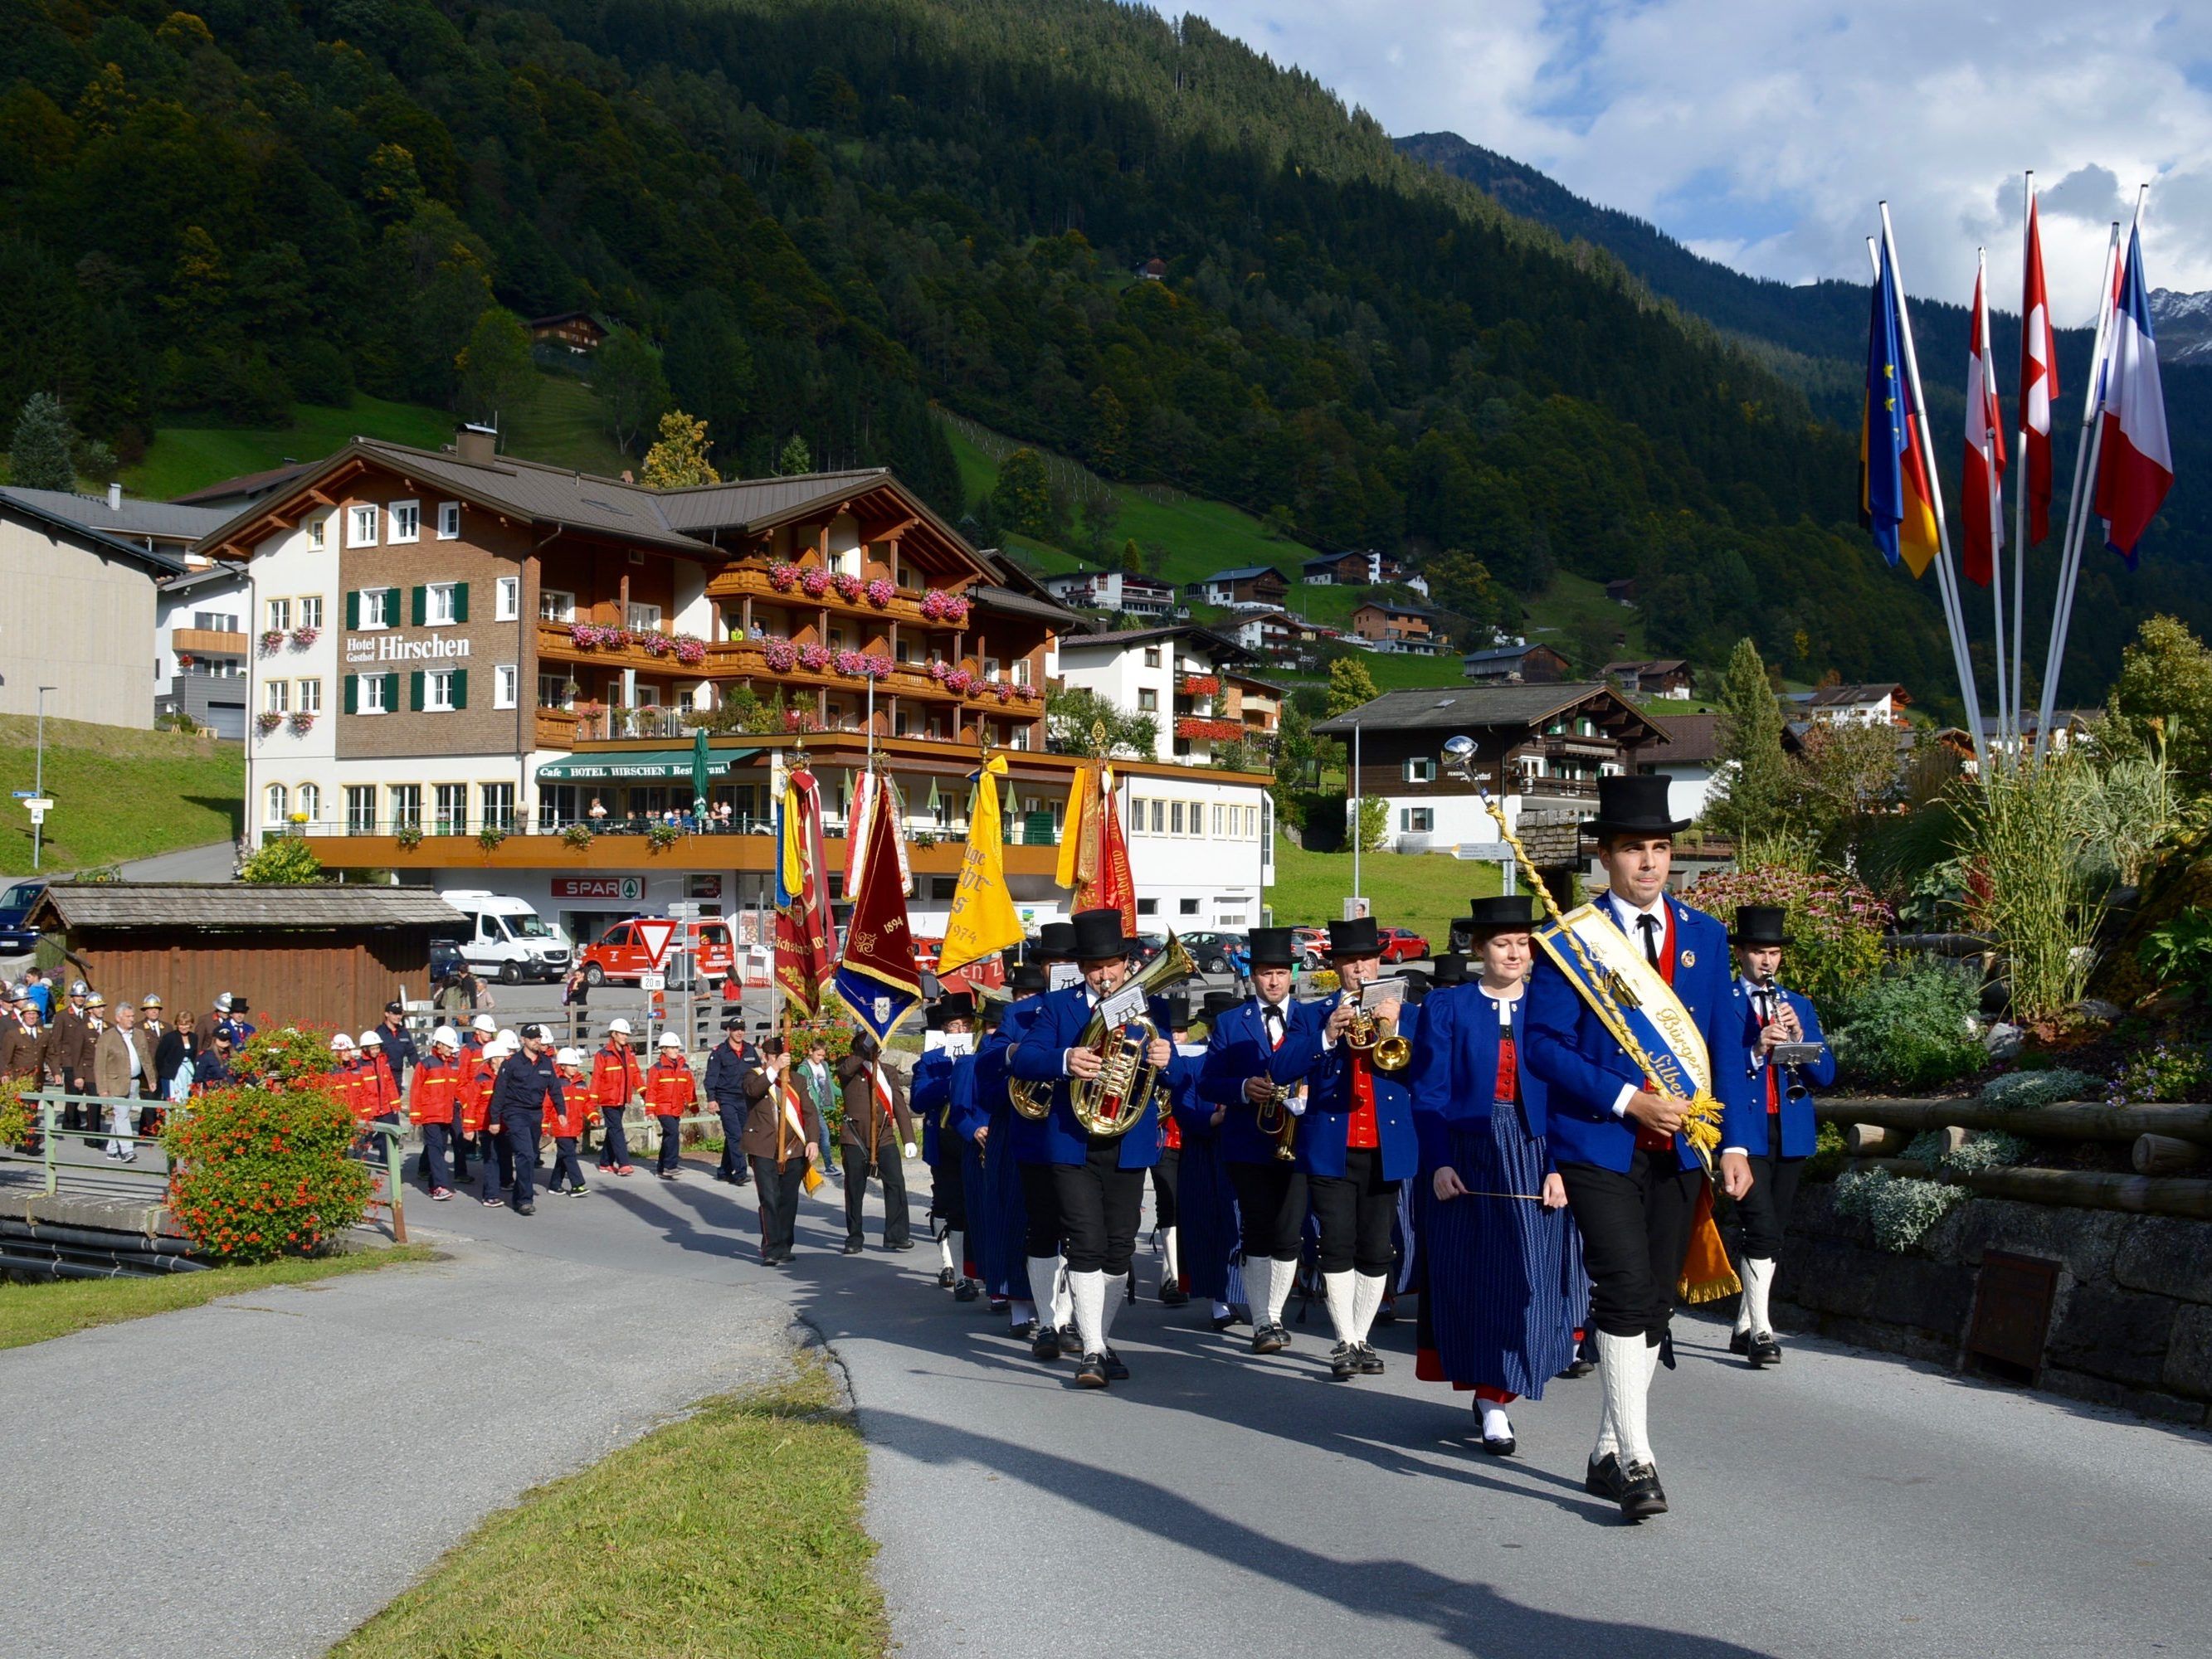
(2134, 462)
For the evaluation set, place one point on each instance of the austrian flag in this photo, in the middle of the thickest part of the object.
(2038, 383)
(2134, 462)
(1981, 489)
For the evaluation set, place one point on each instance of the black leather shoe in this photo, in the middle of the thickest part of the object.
(1765, 1351)
(525, 1209)
(1640, 1495)
(1116, 1371)
(1499, 1448)
(1577, 1368)
(1270, 1339)
(1221, 1322)
(1344, 1362)
(1387, 1313)
(1603, 1478)
(946, 1278)
(1740, 1342)
(852, 1247)
(907, 1244)
(1071, 1340)
(1371, 1363)
(965, 1291)
(1173, 1295)
(1045, 1345)
(1091, 1373)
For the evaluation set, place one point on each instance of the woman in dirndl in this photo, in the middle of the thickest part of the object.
(1506, 1291)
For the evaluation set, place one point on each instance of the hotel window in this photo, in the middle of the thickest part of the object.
(507, 599)
(1019, 673)
(902, 653)
(503, 685)
(990, 668)
(445, 689)
(279, 695)
(442, 605)
(644, 619)
(406, 521)
(310, 802)
(1416, 820)
(556, 604)
(372, 694)
(449, 521)
(1148, 700)
(1420, 768)
(556, 691)
(360, 526)
(1252, 822)
(453, 810)
(311, 696)
(361, 809)
(315, 533)
(498, 805)
(1159, 815)
(280, 803)
(373, 607)
(280, 616)
(311, 611)
(1217, 819)
(215, 622)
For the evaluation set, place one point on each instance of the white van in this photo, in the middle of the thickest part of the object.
(507, 938)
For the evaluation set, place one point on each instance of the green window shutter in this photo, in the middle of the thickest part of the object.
(460, 688)
(415, 687)
(352, 681)
(418, 599)
(353, 614)
(461, 611)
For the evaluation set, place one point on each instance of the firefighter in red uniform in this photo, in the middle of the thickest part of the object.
(616, 1079)
(472, 1119)
(431, 1106)
(564, 1123)
(671, 1091)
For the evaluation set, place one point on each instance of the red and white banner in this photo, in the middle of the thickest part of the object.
(1981, 485)
(2038, 383)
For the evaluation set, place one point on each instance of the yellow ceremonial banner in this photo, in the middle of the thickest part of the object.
(1077, 831)
(982, 921)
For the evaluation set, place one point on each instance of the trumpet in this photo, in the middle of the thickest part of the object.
(1385, 1051)
(1278, 1122)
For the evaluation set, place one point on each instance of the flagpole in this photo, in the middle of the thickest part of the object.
(1991, 506)
(1954, 617)
(2019, 497)
(2085, 459)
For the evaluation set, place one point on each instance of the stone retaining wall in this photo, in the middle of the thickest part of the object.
(2130, 1326)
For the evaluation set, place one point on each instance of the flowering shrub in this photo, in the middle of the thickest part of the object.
(848, 662)
(302, 723)
(577, 837)
(1194, 726)
(1835, 925)
(690, 650)
(881, 592)
(814, 658)
(1006, 690)
(594, 636)
(259, 1170)
(662, 836)
(848, 585)
(783, 577)
(938, 668)
(1201, 686)
(1911, 1030)
(2167, 1071)
(655, 644)
(796, 720)
(17, 1116)
(185, 660)
(273, 640)
(780, 654)
(1900, 1210)
(949, 608)
(815, 580)
(1030, 693)
(958, 680)
(268, 721)
(876, 666)
(304, 637)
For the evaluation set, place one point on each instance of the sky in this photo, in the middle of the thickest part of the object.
(1762, 133)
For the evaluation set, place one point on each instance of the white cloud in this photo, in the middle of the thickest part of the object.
(1763, 132)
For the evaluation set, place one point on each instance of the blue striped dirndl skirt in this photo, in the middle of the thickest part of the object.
(998, 1211)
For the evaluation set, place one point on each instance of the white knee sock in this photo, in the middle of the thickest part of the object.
(1020, 1314)
(1366, 1301)
(1045, 1271)
(1111, 1306)
(1619, 1359)
(944, 1252)
(1173, 1273)
(1089, 1292)
(1282, 1279)
(1496, 1426)
(1758, 1285)
(1336, 1291)
(1631, 1415)
(1063, 1294)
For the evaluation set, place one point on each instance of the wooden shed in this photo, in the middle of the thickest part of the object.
(304, 955)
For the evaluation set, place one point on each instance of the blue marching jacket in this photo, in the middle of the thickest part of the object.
(1236, 1050)
(1453, 1076)
(1324, 1131)
(1041, 1057)
(1573, 1052)
(1800, 1133)
(929, 1100)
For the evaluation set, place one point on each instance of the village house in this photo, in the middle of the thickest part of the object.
(1399, 628)
(579, 331)
(1686, 753)
(1519, 663)
(1662, 677)
(1621, 590)
(1346, 569)
(1842, 705)
(1115, 590)
(81, 613)
(1251, 584)
(1185, 678)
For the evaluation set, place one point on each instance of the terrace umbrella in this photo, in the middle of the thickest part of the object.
(699, 764)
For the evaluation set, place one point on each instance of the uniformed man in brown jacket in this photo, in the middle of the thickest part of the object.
(876, 1135)
(69, 1051)
(778, 1149)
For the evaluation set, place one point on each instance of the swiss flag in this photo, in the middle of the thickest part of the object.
(2038, 383)
(1981, 489)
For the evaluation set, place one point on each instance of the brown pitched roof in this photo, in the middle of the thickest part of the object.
(1459, 708)
(237, 905)
(1686, 737)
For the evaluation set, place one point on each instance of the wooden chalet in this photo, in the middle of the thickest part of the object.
(1547, 743)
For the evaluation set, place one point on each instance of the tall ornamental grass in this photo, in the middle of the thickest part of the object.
(2035, 877)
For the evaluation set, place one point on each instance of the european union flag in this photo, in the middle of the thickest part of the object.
(1883, 432)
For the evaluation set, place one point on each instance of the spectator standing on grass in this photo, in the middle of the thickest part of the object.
(123, 1068)
(727, 1066)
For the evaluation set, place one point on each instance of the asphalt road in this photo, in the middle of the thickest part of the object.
(332, 1442)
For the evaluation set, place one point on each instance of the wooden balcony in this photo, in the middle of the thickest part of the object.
(626, 852)
(556, 641)
(751, 581)
(210, 642)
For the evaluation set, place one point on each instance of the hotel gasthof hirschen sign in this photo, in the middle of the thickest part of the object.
(361, 648)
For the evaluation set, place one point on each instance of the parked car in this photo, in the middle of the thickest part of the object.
(1218, 952)
(621, 953)
(446, 962)
(507, 939)
(1145, 947)
(1403, 944)
(1312, 946)
(15, 912)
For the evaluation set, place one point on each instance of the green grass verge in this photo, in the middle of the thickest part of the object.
(39, 1312)
(1425, 891)
(736, 1531)
(187, 458)
(118, 794)
(564, 427)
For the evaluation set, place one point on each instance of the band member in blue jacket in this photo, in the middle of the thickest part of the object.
(1255, 1059)
(1506, 1287)
(1205, 1203)
(1356, 1144)
(999, 1195)
(1099, 1178)
(951, 1016)
(1771, 1014)
(1055, 1331)
(1630, 1175)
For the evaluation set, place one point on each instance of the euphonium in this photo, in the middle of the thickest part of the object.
(1390, 1053)
(1033, 1100)
(1112, 1101)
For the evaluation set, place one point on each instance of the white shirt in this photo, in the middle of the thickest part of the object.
(1627, 913)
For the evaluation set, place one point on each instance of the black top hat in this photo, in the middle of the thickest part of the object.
(1501, 913)
(933, 1018)
(1273, 947)
(956, 1005)
(1760, 924)
(1026, 979)
(1217, 1003)
(1634, 805)
(1178, 1010)
(1358, 938)
(1097, 934)
(1056, 941)
(1450, 969)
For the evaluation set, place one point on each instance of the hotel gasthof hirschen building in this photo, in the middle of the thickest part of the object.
(458, 656)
